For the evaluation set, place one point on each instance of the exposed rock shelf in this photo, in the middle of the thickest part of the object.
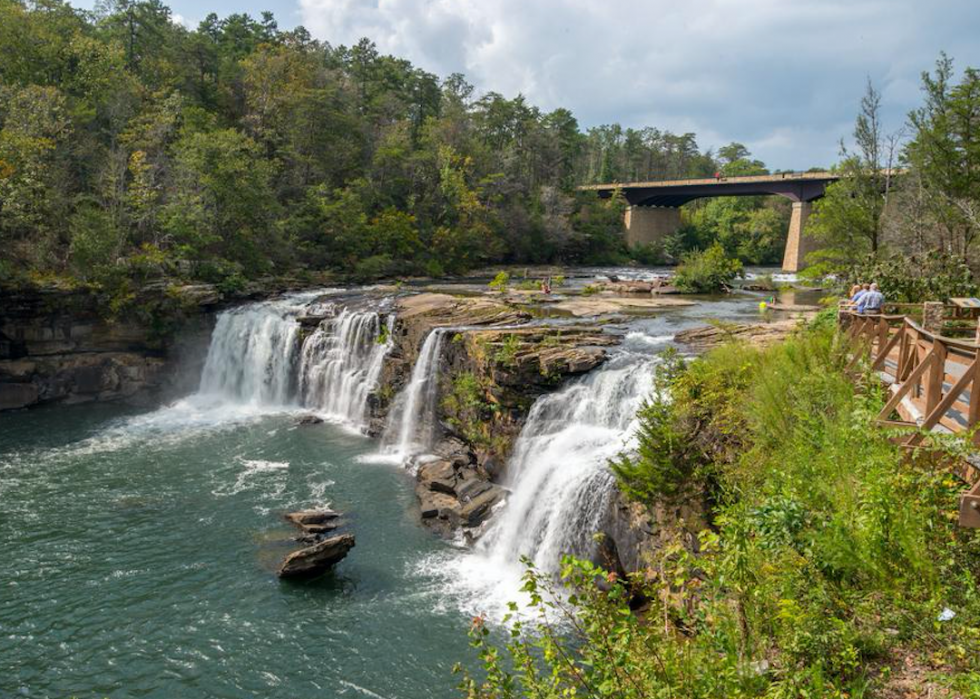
(55, 346)
(761, 334)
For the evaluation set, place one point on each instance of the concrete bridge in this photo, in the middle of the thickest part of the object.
(654, 207)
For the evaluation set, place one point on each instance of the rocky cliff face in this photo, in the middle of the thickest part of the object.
(494, 365)
(634, 535)
(56, 346)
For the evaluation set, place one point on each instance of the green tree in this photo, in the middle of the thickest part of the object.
(223, 204)
(849, 219)
(944, 154)
(35, 180)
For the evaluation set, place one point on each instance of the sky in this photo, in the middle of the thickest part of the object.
(783, 77)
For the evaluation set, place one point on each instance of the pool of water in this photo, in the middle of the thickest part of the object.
(139, 555)
(139, 552)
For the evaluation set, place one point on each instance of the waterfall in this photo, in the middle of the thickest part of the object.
(341, 362)
(258, 357)
(558, 475)
(252, 356)
(412, 425)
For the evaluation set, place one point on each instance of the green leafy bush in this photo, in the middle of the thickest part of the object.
(467, 409)
(707, 272)
(660, 467)
(500, 282)
(376, 267)
(829, 554)
(911, 278)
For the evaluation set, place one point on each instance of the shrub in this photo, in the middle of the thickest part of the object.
(500, 282)
(828, 552)
(649, 253)
(467, 409)
(707, 272)
(434, 268)
(660, 466)
(376, 267)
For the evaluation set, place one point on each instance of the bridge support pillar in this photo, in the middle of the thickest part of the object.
(650, 224)
(798, 244)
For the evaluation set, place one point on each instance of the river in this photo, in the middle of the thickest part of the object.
(139, 547)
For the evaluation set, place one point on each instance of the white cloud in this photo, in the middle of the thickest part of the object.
(782, 77)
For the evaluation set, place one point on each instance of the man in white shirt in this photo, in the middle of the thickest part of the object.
(870, 301)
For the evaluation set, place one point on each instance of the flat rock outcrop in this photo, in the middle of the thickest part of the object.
(316, 560)
(606, 303)
(760, 334)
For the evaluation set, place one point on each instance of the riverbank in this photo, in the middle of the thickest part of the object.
(802, 553)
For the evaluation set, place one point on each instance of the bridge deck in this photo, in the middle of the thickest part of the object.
(822, 176)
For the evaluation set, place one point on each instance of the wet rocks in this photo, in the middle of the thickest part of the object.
(314, 521)
(455, 492)
(310, 419)
(320, 553)
(316, 560)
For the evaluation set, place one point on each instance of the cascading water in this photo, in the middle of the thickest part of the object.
(560, 481)
(252, 356)
(340, 364)
(257, 357)
(412, 424)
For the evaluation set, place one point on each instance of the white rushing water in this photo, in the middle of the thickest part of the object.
(258, 358)
(252, 356)
(412, 424)
(559, 479)
(558, 475)
(341, 362)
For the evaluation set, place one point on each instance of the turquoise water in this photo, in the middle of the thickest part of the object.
(139, 548)
(139, 555)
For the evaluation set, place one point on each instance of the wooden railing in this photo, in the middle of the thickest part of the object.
(933, 382)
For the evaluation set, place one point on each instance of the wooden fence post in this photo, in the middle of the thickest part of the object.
(932, 317)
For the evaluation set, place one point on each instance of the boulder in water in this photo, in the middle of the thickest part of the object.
(315, 521)
(316, 560)
(310, 419)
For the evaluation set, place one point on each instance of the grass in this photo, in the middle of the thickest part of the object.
(826, 563)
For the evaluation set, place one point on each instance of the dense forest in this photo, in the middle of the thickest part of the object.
(133, 148)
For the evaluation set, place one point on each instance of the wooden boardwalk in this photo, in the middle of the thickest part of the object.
(933, 382)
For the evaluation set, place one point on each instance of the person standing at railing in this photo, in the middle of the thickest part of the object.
(871, 301)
